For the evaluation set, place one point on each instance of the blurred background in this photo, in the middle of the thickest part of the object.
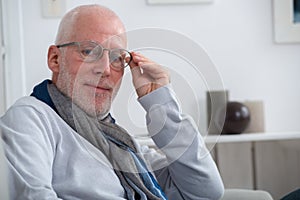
(237, 35)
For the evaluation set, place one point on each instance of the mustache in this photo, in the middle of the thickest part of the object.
(101, 83)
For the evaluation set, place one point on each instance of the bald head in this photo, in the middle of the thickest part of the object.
(91, 85)
(88, 18)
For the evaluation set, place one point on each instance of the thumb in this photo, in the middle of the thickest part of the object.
(136, 71)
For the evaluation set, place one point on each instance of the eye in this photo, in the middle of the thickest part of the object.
(86, 52)
(115, 57)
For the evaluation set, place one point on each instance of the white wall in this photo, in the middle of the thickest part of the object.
(2, 89)
(237, 34)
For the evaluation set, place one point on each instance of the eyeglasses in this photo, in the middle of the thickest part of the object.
(92, 51)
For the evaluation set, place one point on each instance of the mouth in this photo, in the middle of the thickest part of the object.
(99, 88)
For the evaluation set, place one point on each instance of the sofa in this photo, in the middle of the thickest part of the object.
(230, 194)
(244, 194)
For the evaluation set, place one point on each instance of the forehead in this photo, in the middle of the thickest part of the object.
(104, 30)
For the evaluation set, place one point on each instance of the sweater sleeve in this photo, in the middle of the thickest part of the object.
(186, 170)
(29, 152)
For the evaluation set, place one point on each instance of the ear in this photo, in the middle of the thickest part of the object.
(54, 56)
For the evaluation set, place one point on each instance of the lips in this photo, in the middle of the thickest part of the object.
(100, 88)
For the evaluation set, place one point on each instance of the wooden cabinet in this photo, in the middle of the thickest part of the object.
(266, 161)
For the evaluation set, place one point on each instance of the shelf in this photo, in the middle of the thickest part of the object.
(252, 137)
(245, 137)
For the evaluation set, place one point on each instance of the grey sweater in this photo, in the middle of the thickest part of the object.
(48, 160)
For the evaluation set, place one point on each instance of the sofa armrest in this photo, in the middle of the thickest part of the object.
(245, 194)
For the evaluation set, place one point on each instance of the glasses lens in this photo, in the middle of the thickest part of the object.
(90, 51)
(119, 57)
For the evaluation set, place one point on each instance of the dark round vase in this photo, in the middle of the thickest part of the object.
(237, 118)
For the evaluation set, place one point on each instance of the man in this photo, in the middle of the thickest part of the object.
(62, 143)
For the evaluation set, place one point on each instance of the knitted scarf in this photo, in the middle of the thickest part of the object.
(112, 140)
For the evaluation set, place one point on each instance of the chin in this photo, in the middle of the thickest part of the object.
(98, 110)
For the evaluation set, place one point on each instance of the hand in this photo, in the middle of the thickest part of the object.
(147, 75)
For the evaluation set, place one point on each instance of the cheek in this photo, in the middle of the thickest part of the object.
(67, 76)
(71, 63)
(117, 76)
(76, 71)
(74, 68)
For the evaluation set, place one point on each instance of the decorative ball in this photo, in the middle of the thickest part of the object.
(237, 118)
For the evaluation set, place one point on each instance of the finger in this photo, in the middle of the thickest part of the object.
(137, 57)
(132, 64)
(140, 81)
(144, 62)
(136, 72)
(156, 72)
(152, 68)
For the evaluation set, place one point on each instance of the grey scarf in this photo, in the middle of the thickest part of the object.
(115, 143)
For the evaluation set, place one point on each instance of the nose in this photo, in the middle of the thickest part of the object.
(102, 66)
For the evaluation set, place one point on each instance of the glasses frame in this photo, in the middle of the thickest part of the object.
(78, 44)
